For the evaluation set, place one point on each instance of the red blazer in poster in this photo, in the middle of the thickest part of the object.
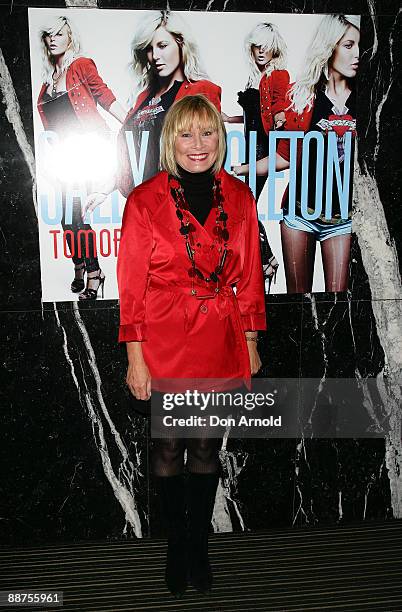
(188, 88)
(273, 92)
(295, 122)
(187, 336)
(322, 116)
(209, 89)
(85, 90)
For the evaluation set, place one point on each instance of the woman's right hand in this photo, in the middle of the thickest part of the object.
(241, 170)
(94, 200)
(232, 118)
(139, 379)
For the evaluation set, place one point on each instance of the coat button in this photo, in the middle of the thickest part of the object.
(204, 308)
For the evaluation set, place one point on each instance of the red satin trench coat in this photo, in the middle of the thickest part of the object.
(187, 336)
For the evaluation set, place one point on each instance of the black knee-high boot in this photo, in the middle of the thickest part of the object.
(201, 492)
(172, 492)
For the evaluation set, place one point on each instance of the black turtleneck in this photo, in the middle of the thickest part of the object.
(198, 192)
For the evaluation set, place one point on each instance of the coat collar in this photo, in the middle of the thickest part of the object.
(231, 189)
(230, 184)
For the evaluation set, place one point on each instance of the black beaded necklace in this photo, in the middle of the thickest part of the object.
(187, 230)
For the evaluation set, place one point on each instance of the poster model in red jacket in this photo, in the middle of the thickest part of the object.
(67, 105)
(166, 63)
(322, 100)
(263, 102)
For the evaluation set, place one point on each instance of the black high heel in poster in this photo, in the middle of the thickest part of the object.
(92, 294)
(78, 284)
(270, 271)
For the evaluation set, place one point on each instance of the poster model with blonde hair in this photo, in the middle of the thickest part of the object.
(263, 102)
(167, 65)
(323, 99)
(67, 105)
(180, 31)
(189, 237)
(318, 60)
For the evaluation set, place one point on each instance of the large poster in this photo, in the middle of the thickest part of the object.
(102, 82)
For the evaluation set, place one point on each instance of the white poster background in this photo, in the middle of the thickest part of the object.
(106, 37)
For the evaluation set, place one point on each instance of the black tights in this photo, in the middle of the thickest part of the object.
(80, 236)
(202, 455)
(299, 253)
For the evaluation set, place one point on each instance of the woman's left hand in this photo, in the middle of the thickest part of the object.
(255, 361)
(241, 170)
(94, 200)
(279, 120)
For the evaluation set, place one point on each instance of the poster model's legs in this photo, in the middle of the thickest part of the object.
(335, 259)
(298, 249)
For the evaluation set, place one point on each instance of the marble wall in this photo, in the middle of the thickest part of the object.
(74, 454)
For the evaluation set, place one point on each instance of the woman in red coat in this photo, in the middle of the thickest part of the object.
(189, 236)
(67, 105)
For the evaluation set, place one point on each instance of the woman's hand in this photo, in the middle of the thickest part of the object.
(241, 170)
(255, 361)
(279, 120)
(101, 191)
(232, 118)
(94, 200)
(139, 380)
(138, 377)
(117, 111)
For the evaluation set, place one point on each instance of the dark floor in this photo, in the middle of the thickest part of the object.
(355, 568)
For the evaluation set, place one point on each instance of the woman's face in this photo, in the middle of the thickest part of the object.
(261, 57)
(163, 53)
(58, 43)
(196, 149)
(345, 58)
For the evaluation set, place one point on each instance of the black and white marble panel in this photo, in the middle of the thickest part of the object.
(76, 455)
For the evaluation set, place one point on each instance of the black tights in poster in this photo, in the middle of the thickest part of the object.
(79, 237)
(299, 254)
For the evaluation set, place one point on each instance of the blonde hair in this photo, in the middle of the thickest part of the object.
(72, 52)
(268, 37)
(177, 27)
(180, 117)
(316, 72)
